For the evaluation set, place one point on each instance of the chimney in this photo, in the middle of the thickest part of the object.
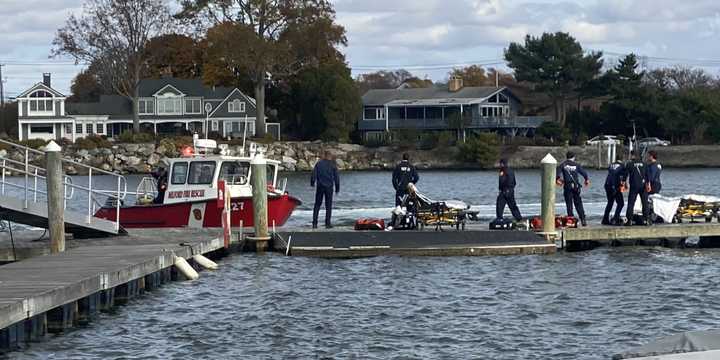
(46, 79)
(455, 83)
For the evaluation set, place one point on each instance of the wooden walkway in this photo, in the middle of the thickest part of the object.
(37, 285)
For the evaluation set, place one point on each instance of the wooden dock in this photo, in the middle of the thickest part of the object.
(53, 292)
(346, 243)
(583, 238)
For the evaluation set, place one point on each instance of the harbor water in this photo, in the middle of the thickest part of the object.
(586, 305)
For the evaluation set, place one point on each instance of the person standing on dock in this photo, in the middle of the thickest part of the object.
(568, 176)
(506, 186)
(653, 170)
(614, 184)
(636, 173)
(325, 175)
(404, 174)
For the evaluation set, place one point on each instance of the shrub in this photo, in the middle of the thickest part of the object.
(406, 138)
(139, 138)
(92, 142)
(445, 140)
(483, 149)
(33, 143)
(553, 131)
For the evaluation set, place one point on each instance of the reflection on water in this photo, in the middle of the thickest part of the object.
(567, 306)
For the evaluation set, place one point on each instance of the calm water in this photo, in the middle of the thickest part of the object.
(586, 305)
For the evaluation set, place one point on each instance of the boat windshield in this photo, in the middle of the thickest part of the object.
(234, 172)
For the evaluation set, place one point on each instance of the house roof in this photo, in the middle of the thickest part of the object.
(120, 107)
(189, 87)
(432, 95)
(40, 86)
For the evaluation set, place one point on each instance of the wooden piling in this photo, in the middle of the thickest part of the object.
(549, 165)
(56, 195)
(258, 177)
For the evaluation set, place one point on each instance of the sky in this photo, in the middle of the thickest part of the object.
(427, 37)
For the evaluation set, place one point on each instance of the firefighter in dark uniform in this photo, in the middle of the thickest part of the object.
(404, 174)
(636, 175)
(506, 186)
(161, 177)
(325, 175)
(568, 176)
(653, 170)
(614, 184)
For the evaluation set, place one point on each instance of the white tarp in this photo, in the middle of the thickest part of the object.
(666, 207)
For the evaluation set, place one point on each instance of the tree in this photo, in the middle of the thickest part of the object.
(176, 55)
(383, 80)
(113, 34)
(554, 63)
(86, 86)
(252, 38)
(472, 75)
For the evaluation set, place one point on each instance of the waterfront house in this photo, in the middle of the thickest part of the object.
(446, 108)
(165, 106)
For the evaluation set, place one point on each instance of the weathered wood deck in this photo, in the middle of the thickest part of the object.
(36, 286)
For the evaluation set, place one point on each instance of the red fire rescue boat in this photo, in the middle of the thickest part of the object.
(191, 196)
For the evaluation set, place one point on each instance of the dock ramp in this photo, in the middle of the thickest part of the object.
(23, 195)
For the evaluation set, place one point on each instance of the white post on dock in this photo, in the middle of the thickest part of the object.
(258, 178)
(549, 165)
(56, 197)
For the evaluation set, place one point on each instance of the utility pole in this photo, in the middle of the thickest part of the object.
(2, 100)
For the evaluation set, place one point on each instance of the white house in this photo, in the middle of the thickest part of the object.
(165, 106)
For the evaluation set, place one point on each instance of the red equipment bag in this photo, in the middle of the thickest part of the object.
(536, 224)
(370, 224)
(570, 221)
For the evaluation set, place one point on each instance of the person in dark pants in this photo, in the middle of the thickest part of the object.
(506, 186)
(653, 170)
(636, 175)
(325, 174)
(161, 177)
(614, 184)
(404, 174)
(568, 175)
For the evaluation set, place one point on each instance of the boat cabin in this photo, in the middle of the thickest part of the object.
(191, 179)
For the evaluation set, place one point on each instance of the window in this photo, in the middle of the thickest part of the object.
(381, 113)
(78, 128)
(89, 128)
(235, 173)
(41, 101)
(503, 99)
(146, 106)
(100, 128)
(370, 114)
(45, 129)
(68, 129)
(193, 106)
(236, 106)
(179, 173)
(169, 106)
(214, 125)
(201, 172)
(484, 112)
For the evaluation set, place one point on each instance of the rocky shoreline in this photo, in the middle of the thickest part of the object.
(301, 156)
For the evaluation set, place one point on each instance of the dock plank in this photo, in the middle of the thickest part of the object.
(612, 233)
(37, 285)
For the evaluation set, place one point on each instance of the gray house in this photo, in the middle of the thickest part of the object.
(454, 108)
(165, 106)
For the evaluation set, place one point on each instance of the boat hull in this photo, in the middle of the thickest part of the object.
(199, 214)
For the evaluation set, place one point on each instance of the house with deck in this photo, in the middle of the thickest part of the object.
(165, 106)
(452, 108)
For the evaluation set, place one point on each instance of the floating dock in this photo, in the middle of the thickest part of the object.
(347, 243)
(670, 235)
(53, 292)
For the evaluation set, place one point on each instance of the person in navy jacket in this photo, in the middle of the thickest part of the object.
(325, 175)
(568, 176)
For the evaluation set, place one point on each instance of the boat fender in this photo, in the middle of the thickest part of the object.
(184, 268)
(205, 262)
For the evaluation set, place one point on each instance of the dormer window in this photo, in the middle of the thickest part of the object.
(169, 106)
(236, 106)
(41, 101)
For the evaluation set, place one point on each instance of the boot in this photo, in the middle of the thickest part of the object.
(605, 221)
(583, 222)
